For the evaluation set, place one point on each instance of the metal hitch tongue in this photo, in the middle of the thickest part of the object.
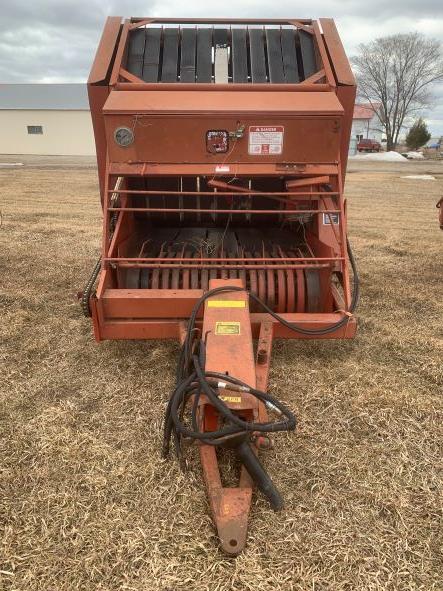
(229, 352)
(256, 471)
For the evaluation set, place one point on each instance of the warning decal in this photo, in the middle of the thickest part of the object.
(226, 304)
(265, 140)
(234, 399)
(227, 328)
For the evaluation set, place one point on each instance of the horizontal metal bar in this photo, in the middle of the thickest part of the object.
(221, 259)
(226, 193)
(139, 168)
(226, 211)
(224, 21)
(235, 86)
(221, 266)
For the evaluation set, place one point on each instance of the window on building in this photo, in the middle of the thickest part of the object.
(35, 129)
(359, 136)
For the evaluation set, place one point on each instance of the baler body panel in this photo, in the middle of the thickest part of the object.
(172, 128)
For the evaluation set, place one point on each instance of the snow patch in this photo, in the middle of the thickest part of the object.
(380, 157)
(415, 156)
(5, 164)
(421, 177)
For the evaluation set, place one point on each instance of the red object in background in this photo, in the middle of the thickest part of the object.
(368, 145)
(440, 213)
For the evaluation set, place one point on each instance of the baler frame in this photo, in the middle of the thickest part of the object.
(280, 266)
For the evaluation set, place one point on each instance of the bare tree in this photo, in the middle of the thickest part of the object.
(394, 75)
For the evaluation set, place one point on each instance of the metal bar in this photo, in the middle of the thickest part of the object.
(263, 359)
(218, 266)
(120, 53)
(343, 230)
(224, 193)
(162, 328)
(128, 76)
(106, 217)
(223, 259)
(313, 79)
(323, 56)
(226, 21)
(258, 86)
(151, 169)
(227, 211)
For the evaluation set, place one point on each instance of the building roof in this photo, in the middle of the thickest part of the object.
(365, 110)
(47, 97)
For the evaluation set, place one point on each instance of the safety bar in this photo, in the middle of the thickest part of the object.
(226, 211)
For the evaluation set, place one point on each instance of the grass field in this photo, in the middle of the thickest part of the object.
(86, 502)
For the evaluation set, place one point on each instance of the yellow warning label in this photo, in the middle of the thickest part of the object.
(227, 328)
(236, 399)
(226, 303)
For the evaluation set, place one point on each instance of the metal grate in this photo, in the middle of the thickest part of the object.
(221, 55)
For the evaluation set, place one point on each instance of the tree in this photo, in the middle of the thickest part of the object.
(396, 72)
(418, 135)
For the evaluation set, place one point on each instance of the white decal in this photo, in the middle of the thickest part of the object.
(265, 140)
(328, 216)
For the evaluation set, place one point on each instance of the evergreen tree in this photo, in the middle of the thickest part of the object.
(418, 135)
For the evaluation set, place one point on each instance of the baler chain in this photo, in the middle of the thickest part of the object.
(86, 293)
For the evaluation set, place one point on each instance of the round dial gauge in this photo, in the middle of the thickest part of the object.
(123, 136)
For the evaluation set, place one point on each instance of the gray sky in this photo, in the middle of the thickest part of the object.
(55, 40)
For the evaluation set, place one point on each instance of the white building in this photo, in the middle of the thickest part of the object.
(365, 123)
(51, 119)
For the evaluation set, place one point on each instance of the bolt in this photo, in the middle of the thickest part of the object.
(262, 356)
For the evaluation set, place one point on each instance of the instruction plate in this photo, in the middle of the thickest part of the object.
(327, 217)
(265, 140)
(224, 328)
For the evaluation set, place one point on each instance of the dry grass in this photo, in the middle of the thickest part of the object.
(86, 502)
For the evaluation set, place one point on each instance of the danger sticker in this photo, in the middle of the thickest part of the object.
(227, 328)
(265, 140)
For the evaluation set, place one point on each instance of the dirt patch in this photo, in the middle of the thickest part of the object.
(86, 501)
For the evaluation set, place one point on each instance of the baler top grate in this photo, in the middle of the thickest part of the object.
(203, 54)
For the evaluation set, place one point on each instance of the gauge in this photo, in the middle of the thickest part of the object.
(123, 136)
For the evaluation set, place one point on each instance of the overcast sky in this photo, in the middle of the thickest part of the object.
(55, 40)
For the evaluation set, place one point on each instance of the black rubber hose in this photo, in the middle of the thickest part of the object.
(259, 475)
(192, 379)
